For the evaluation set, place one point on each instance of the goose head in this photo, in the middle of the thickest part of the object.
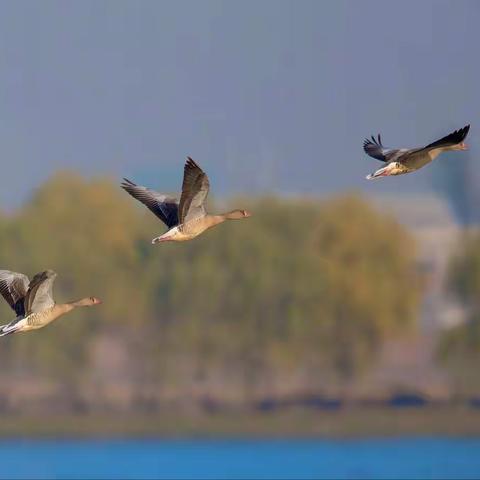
(88, 302)
(237, 214)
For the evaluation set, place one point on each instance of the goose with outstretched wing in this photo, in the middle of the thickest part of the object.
(405, 160)
(32, 301)
(188, 218)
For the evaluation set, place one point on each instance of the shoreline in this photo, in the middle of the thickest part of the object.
(346, 423)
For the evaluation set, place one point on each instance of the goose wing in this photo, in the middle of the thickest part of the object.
(374, 148)
(165, 208)
(195, 189)
(451, 139)
(40, 292)
(13, 287)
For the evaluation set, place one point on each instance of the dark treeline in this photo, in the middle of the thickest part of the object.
(300, 296)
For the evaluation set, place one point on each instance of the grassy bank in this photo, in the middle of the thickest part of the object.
(353, 422)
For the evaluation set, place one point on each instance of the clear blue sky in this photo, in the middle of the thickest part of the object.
(269, 95)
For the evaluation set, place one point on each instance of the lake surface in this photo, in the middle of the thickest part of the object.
(239, 459)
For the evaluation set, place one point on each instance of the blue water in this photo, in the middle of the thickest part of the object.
(242, 459)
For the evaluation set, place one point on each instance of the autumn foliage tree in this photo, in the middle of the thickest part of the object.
(312, 286)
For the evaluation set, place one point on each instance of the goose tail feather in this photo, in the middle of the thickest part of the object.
(8, 329)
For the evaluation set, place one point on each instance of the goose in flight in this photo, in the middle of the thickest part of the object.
(32, 301)
(406, 160)
(188, 218)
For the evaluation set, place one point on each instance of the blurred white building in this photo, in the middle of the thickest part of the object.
(431, 221)
(409, 363)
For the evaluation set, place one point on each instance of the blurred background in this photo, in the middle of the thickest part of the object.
(342, 309)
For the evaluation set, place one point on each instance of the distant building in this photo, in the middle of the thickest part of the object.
(431, 221)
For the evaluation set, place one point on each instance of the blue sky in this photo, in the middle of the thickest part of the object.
(268, 96)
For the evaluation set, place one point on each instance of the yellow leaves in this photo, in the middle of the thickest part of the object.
(76, 211)
(370, 261)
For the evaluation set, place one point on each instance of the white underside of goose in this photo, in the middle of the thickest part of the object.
(169, 235)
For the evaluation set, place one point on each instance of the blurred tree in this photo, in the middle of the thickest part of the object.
(370, 278)
(86, 232)
(301, 286)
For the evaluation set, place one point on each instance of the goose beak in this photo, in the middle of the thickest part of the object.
(382, 172)
(463, 146)
(159, 239)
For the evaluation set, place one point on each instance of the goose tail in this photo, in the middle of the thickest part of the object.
(7, 332)
(9, 328)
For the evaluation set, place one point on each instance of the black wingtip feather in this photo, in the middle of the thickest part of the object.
(190, 163)
(374, 141)
(127, 183)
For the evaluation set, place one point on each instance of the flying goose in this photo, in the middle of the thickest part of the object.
(406, 160)
(32, 301)
(188, 218)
